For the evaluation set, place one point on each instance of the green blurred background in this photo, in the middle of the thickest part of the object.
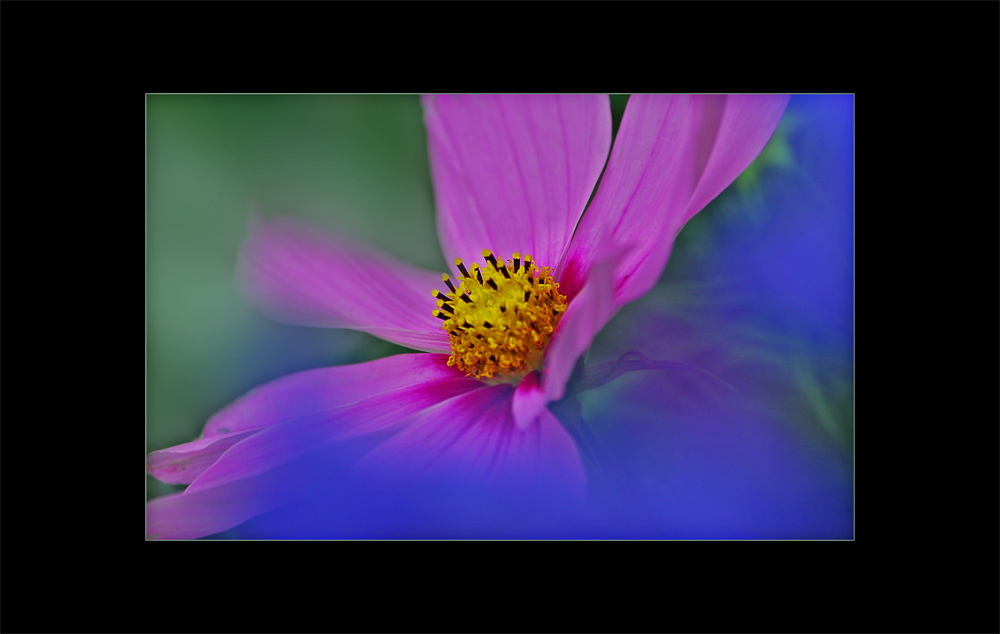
(358, 165)
(354, 164)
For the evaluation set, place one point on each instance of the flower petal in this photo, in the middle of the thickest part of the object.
(672, 155)
(299, 275)
(529, 401)
(592, 307)
(259, 474)
(514, 172)
(311, 391)
(292, 397)
(183, 463)
(191, 515)
(283, 443)
(474, 438)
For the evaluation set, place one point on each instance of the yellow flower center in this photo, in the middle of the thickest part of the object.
(500, 317)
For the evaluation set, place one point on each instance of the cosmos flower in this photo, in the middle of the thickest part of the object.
(534, 280)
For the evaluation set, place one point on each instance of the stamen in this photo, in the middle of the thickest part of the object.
(490, 258)
(500, 329)
(446, 280)
(445, 306)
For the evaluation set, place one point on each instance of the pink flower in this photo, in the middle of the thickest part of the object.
(533, 284)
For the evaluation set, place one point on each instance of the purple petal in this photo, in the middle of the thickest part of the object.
(252, 477)
(197, 514)
(672, 155)
(283, 443)
(513, 173)
(747, 124)
(529, 401)
(292, 397)
(183, 463)
(589, 310)
(474, 437)
(311, 391)
(299, 275)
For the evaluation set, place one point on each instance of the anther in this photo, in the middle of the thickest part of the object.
(490, 258)
(446, 280)
(445, 306)
(494, 332)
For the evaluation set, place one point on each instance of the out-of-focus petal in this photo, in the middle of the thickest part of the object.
(514, 172)
(591, 308)
(474, 437)
(672, 155)
(297, 274)
(250, 478)
(282, 443)
(529, 401)
(746, 125)
(197, 514)
(291, 397)
(311, 391)
(183, 463)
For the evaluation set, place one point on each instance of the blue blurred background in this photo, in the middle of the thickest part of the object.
(758, 293)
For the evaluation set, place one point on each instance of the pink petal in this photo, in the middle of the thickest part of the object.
(183, 463)
(514, 172)
(292, 397)
(529, 401)
(252, 477)
(474, 437)
(672, 155)
(292, 439)
(191, 515)
(589, 310)
(312, 391)
(747, 124)
(297, 274)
